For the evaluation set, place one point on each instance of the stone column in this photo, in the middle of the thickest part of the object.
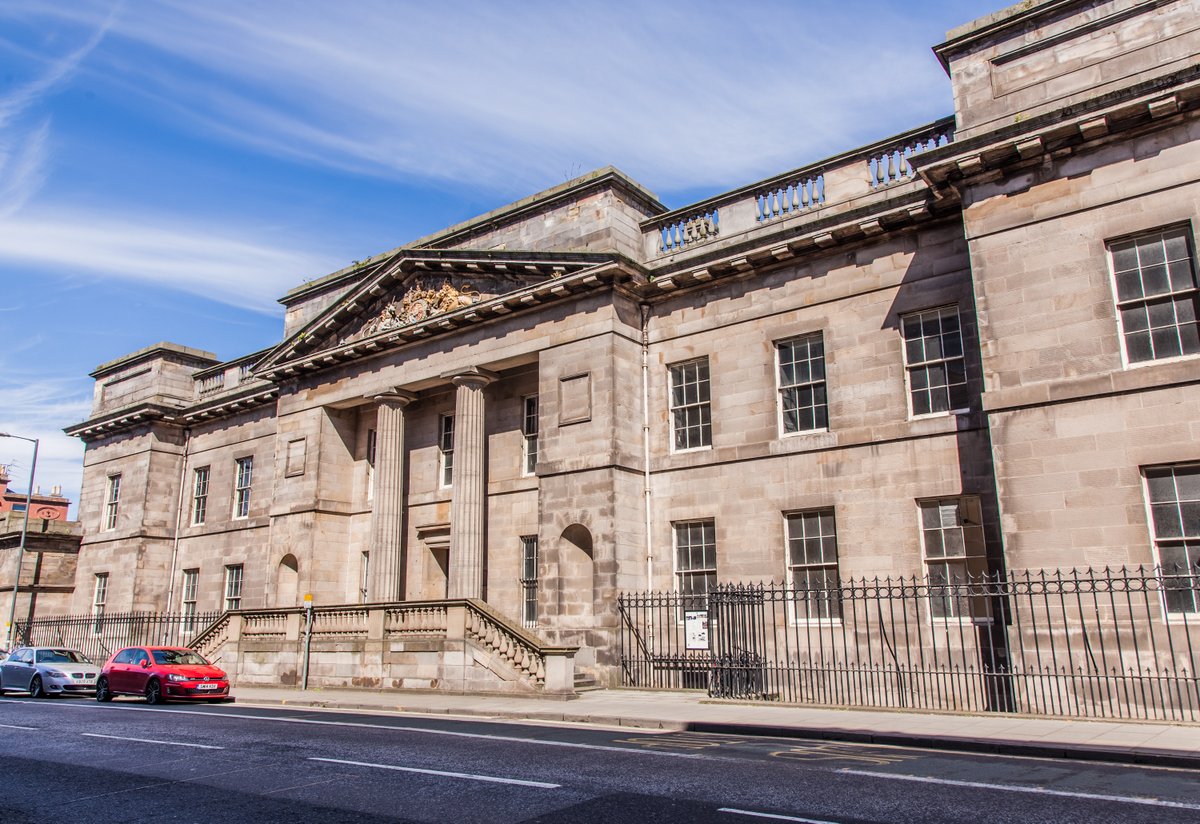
(385, 573)
(468, 509)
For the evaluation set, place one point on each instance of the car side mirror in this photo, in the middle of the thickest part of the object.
(145, 662)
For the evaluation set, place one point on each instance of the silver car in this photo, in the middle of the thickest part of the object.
(46, 671)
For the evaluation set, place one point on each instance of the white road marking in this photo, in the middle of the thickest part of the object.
(15, 727)
(1012, 788)
(471, 776)
(451, 733)
(152, 741)
(775, 816)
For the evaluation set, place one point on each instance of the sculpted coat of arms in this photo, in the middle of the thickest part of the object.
(419, 303)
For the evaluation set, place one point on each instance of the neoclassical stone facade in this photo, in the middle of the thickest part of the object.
(968, 347)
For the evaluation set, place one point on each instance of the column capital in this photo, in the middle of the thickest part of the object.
(395, 397)
(475, 377)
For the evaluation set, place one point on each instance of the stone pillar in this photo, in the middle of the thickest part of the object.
(468, 509)
(385, 573)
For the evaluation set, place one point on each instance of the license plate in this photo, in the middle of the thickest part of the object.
(208, 686)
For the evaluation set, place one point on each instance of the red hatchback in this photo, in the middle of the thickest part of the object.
(161, 674)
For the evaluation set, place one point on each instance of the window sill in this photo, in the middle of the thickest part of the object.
(691, 449)
(931, 415)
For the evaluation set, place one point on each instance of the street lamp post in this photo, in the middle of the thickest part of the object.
(12, 607)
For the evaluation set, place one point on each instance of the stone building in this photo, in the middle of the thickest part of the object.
(968, 347)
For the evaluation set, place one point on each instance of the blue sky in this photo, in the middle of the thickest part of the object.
(167, 170)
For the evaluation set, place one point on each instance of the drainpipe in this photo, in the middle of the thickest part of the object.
(187, 443)
(646, 444)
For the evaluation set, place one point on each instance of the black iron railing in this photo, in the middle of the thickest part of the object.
(1111, 643)
(99, 636)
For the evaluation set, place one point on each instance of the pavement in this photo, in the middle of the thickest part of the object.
(1126, 742)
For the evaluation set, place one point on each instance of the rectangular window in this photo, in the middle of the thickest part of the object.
(364, 572)
(370, 464)
(813, 564)
(99, 600)
(1155, 279)
(933, 354)
(191, 586)
(112, 501)
(529, 580)
(446, 450)
(241, 487)
(1174, 495)
(696, 561)
(691, 415)
(529, 428)
(802, 384)
(199, 494)
(233, 586)
(952, 535)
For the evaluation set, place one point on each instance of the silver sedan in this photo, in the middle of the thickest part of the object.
(46, 671)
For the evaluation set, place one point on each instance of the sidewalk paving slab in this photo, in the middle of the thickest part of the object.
(1115, 741)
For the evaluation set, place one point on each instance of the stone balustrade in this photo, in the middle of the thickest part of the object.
(459, 644)
(809, 192)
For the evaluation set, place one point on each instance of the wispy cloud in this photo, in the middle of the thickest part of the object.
(22, 167)
(209, 260)
(512, 95)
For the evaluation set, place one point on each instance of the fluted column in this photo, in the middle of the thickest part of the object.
(468, 510)
(385, 573)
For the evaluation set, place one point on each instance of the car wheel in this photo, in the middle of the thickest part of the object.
(35, 688)
(154, 692)
(102, 691)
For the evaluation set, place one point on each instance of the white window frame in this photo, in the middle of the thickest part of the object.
(234, 581)
(1156, 542)
(966, 560)
(529, 580)
(364, 575)
(807, 616)
(99, 599)
(372, 443)
(702, 404)
(1119, 305)
(781, 388)
(201, 476)
(680, 573)
(189, 589)
(112, 502)
(243, 484)
(529, 432)
(446, 451)
(910, 366)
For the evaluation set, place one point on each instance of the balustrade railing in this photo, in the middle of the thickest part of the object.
(808, 190)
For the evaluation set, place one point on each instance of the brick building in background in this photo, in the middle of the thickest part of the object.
(966, 348)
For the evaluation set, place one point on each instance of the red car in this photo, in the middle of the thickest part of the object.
(161, 674)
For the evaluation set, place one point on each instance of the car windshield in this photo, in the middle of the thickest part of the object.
(176, 657)
(61, 656)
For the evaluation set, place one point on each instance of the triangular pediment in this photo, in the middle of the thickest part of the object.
(419, 286)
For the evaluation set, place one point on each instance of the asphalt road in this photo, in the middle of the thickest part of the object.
(75, 760)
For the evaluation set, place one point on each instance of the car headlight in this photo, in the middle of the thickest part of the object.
(56, 674)
(176, 677)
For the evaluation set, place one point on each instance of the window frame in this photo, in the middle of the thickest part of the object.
(1189, 236)
(781, 388)
(910, 367)
(243, 484)
(234, 584)
(529, 580)
(446, 450)
(112, 502)
(688, 599)
(189, 589)
(364, 575)
(370, 450)
(1168, 615)
(99, 600)
(704, 407)
(966, 560)
(790, 567)
(201, 479)
(529, 432)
